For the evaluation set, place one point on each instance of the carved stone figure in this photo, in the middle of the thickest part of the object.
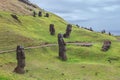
(52, 29)
(47, 15)
(15, 17)
(68, 31)
(40, 14)
(106, 45)
(62, 47)
(20, 55)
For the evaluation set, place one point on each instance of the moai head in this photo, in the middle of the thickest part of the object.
(20, 49)
(62, 48)
(40, 14)
(68, 31)
(60, 38)
(52, 29)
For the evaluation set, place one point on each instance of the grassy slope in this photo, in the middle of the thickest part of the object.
(42, 64)
(34, 31)
(83, 64)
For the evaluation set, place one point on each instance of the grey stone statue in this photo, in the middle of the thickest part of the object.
(62, 47)
(20, 56)
(68, 31)
(52, 29)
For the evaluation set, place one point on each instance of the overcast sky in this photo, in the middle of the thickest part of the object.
(99, 14)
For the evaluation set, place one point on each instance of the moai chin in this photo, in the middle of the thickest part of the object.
(52, 29)
(68, 31)
(62, 47)
(20, 56)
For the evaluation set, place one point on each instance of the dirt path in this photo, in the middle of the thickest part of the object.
(49, 45)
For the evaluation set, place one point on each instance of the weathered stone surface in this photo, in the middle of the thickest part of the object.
(106, 45)
(20, 56)
(62, 47)
(52, 29)
(68, 31)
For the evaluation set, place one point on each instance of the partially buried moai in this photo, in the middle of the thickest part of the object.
(52, 29)
(62, 47)
(68, 31)
(106, 45)
(20, 56)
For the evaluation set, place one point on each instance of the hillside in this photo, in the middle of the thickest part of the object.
(17, 6)
(84, 63)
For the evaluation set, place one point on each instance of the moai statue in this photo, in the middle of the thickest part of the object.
(68, 31)
(52, 29)
(34, 14)
(15, 17)
(91, 29)
(109, 33)
(103, 31)
(20, 55)
(47, 15)
(40, 14)
(106, 45)
(62, 47)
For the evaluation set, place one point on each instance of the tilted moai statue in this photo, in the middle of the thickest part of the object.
(106, 45)
(20, 55)
(52, 29)
(62, 47)
(68, 31)
(40, 14)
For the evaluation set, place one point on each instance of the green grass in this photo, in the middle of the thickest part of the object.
(35, 30)
(83, 64)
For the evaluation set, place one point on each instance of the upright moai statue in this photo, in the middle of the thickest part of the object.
(68, 31)
(47, 15)
(20, 56)
(34, 14)
(106, 45)
(62, 47)
(52, 29)
(40, 14)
